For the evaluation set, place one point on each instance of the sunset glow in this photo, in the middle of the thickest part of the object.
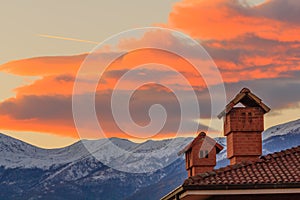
(253, 46)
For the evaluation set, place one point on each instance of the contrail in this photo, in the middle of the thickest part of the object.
(65, 38)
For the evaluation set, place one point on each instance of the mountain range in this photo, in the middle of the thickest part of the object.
(154, 169)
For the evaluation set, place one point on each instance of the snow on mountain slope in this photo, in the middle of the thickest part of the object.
(143, 157)
(138, 157)
(281, 137)
(15, 153)
(292, 127)
(72, 172)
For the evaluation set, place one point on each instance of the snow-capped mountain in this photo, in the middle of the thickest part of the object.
(138, 158)
(292, 127)
(281, 137)
(28, 172)
(72, 172)
(147, 156)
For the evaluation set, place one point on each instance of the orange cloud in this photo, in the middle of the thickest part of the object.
(57, 127)
(53, 114)
(44, 66)
(227, 19)
(48, 85)
(61, 81)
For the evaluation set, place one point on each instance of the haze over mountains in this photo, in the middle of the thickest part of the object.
(29, 172)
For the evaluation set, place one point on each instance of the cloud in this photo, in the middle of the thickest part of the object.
(48, 85)
(286, 11)
(252, 57)
(54, 65)
(245, 57)
(37, 107)
(167, 41)
(227, 19)
(44, 66)
(52, 112)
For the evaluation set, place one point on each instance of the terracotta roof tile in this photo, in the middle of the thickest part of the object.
(279, 167)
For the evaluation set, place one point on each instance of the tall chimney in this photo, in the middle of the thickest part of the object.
(200, 154)
(243, 127)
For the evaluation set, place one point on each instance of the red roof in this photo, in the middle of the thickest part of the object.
(276, 168)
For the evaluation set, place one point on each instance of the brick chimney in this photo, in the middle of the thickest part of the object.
(243, 127)
(200, 154)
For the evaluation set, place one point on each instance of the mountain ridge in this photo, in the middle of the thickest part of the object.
(44, 158)
(28, 172)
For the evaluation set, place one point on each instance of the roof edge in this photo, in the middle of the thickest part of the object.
(173, 193)
(243, 186)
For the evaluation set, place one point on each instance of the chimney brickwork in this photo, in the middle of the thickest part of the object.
(243, 127)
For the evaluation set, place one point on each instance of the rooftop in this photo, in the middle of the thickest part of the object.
(276, 170)
(279, 167)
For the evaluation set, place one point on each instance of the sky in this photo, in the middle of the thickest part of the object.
(254, 44)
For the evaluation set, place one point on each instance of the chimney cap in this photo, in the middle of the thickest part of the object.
(245, 90)
(202, 134)
(248, 99)
(208, 139)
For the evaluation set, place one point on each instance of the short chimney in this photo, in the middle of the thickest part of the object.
(243, 127)
(200, 154)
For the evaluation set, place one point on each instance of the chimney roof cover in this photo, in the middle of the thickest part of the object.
(248, 99)
(201, 135)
